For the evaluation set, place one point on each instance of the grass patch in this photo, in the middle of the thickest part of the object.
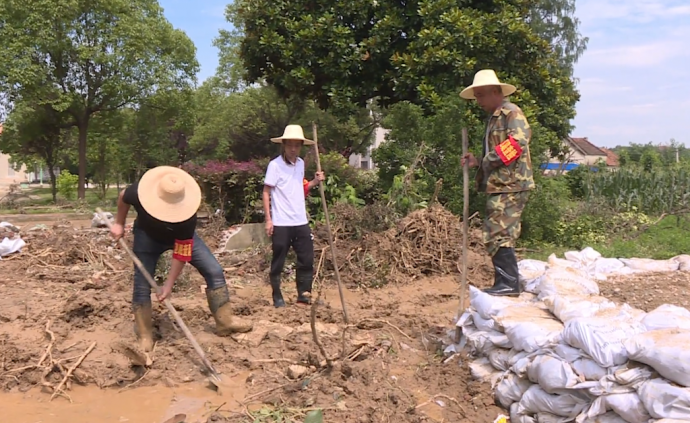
(40, 201)
(666, 239)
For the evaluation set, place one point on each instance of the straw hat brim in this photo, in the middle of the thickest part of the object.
(468, 93)
(163, 210)
(279, 140)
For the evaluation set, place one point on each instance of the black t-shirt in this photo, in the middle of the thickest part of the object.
(166, 233)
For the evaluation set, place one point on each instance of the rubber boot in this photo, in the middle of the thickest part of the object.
(506, 278)
(278, 300)
(226, 323)
(304, 283)
(143, 325)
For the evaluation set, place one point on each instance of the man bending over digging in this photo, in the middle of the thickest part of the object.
(505, 174)
(285, 190)
(166, 200)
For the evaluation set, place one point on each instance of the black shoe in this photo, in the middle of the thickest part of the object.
(506, 278)
(304, 299)
(304, 281)
(278, 300)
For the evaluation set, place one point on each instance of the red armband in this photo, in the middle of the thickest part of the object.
(182, 250)
(305, 184)
(509, 150)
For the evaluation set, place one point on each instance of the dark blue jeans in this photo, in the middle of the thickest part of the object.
(148, 250)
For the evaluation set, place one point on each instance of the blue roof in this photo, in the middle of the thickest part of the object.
(557, 166)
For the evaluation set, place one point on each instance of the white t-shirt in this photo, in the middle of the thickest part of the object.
(288, 207)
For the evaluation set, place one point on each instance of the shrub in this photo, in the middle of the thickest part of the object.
(67, 184)
(544, 210)
(233, 187)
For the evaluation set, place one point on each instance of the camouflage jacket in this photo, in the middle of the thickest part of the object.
(506, 160)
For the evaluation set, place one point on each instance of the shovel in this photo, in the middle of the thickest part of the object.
(215, 378)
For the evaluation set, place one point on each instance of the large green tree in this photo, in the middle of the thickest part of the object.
(86, 57)
(35, 133)
(345, 52)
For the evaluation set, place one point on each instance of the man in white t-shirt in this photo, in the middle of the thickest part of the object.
(285, 190)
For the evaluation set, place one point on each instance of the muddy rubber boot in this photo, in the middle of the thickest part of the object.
(304, 289)
(278, 300)
(143, 325)
(226, 323)
(506, 278)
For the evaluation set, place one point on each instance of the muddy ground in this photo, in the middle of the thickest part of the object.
(69, 289)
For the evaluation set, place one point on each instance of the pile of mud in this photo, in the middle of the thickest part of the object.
(427, 242)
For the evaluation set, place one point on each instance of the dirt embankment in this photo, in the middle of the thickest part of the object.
(69, 289)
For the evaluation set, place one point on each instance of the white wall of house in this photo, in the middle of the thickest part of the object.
(9, 175)
(365, 161)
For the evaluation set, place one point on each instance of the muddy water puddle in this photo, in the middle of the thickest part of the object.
(154, 404)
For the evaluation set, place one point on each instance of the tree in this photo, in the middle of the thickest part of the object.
(419, 51)
(90, 57)
(35, 132)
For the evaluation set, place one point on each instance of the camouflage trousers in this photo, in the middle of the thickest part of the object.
(502, 224)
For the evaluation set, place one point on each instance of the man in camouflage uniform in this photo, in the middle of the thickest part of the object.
(505, 174)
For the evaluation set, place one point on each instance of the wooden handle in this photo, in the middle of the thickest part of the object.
(328, 227)
(167, 302)
(465, 229)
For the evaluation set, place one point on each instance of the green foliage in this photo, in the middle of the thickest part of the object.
(346, 54)
(232, 187)
(654, 192)
(72, 57)
(67, 184)
(542, 216)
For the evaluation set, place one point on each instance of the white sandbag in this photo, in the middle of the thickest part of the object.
(488, 305)
(628, 406)
(609, 417)
(666, 350)
(555, 262)
(500, 358)
(536, 400)
(483, 342)
(566, 308)
(520, 418)
(511, 389)
(482, 323)
(602, 336)
(669, 421)
(651, 265)
(584, 257)
(568, 353)
(667, 316)
(588, 369)
(11, 246)
(607, 266)
(550, 418)
(530, 272)
(529, 327)
(481, 370)
(552, 374)
(683, 262)
(566, 282)
(665, 401)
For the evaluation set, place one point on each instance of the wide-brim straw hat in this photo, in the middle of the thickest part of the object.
(169, 194)
(485, 78)
(293, 132)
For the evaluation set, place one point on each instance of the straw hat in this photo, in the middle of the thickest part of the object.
(293, 132)
(169, 194)
(484, 78)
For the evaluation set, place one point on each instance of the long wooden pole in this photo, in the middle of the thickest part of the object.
(328, 226)
(465, 229)
(197, 348)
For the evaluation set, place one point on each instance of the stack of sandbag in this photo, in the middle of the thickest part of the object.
(563, 353)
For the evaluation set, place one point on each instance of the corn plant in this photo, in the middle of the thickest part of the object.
(652, 192)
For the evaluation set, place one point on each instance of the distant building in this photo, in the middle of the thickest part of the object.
(8, 174)
(580, 151)
(365, 161)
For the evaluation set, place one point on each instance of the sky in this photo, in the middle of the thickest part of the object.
(633, 78)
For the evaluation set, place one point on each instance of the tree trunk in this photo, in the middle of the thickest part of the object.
(53, 181)
(83, 129)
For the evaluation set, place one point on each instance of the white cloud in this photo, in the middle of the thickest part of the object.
(640, 11)
(644, 55)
